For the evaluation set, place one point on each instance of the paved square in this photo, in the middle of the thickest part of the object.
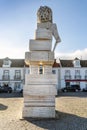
(71, 109)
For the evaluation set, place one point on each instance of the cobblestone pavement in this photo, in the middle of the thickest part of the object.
(71, 110)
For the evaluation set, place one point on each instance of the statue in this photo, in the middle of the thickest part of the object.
(40, 85)
(44, 20)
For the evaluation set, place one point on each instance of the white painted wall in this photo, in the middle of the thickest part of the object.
(72, 72)
(12, 82)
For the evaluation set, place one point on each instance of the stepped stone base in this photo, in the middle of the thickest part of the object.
(39, 112)
(39, 96)
(44, 101)
(39, 99)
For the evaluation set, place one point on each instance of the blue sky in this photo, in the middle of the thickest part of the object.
(18, 22)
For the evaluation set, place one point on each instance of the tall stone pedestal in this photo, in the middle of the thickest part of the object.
(40, 85)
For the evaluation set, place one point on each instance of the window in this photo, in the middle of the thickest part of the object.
(54, 71)
(86, 72)
(77, 72)
(76, 63)
(40, 69)
(67, 72)
(86, 85)
(17, 74)
(6, 62)
(6, 74)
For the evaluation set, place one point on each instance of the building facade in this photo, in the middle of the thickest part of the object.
(12, 73)
(73, 72)
(68, 72)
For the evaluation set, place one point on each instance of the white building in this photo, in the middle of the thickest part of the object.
(68, 72)
(12, 73)
(73, 72)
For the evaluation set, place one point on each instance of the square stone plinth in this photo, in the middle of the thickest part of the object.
(44, 56)
(40, 79)
(40, 45)
(43, 34)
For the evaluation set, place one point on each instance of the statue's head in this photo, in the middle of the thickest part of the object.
(44, 14)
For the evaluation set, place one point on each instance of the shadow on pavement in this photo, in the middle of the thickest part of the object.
(65, 121)
(3, 107)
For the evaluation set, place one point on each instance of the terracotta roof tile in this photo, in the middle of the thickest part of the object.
(56, 64)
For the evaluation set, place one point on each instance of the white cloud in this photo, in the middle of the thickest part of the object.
(81, 54)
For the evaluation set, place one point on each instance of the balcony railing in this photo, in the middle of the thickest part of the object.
(77, 76)
(17, 77)
(6, 77)
(67, 76)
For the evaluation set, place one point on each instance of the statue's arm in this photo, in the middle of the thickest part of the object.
(55, 34)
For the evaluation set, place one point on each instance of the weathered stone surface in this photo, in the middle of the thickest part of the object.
(47, 69)
(39, 56)
(50, 63)
(53, 28)
(43, 34)
(40, 79)
(40, 90)
(40, 98)
(44, 112)
(34, 100)
(40, 45)
(44, 14)
(39, 104)
(46, 25)
(33, 69)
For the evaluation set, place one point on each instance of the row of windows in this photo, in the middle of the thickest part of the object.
(17, 73)
(77, 72)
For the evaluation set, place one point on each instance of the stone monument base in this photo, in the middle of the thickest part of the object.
(40, 85)
(39, 112)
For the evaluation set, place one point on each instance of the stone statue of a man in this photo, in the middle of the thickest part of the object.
(40, 85)
(44, 20)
